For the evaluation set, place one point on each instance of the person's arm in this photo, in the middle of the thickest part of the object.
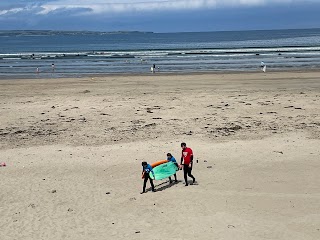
(191, 161)
(191, 158)
(151, 170)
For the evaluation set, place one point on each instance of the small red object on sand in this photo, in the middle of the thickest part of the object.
(3, 164)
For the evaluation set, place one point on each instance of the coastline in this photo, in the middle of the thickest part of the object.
(162, 73)
(174, 53)
(73, 149)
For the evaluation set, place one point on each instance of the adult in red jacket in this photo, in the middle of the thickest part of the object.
(187, 162)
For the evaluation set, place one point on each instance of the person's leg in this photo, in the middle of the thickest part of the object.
(151, 182)
(185, 172)
(170, 180)
(146, 176)
(190, 175)
(175, 175)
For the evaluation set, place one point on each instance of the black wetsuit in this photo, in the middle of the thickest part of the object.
(146, 178)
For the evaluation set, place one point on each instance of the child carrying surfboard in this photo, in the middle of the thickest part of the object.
(146, 170)
(171, 158)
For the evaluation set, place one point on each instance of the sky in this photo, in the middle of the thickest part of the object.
(158, 15)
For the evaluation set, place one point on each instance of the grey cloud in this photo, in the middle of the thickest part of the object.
(105, 6)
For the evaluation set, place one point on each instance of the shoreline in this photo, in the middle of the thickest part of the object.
(80, 76)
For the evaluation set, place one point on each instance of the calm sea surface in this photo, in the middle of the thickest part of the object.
(83, 53)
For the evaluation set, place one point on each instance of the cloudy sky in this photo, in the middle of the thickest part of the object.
(159, 15)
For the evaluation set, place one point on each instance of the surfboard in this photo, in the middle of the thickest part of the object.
(164, 170)
(153, 165)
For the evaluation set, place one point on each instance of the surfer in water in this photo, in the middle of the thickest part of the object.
(171, 158)
(146, 169)
(187, 162)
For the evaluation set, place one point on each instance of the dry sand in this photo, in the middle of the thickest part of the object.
(73, 149)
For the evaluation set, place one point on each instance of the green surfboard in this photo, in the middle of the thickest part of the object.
(164, 170)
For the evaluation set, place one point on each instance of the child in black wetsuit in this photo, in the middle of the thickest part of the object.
(171, 158)
(146, 169)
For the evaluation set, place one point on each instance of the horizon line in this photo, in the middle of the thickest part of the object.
(141, 31)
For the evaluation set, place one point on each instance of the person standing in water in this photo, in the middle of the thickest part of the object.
(187, 162)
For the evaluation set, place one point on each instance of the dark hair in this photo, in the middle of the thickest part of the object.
(144, 163)
(183, 144)
(169, 154)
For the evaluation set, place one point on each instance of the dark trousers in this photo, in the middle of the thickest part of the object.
(146, 178)
(175, 178)
(187, 172)
(175, 175)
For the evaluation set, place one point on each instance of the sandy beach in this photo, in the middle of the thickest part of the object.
(73, 149)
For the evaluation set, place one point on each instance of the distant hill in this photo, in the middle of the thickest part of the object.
(51, 32)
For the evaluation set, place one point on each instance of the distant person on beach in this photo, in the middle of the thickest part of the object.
(263, 67)
(187, 162)
(171, 158)
(37, 70)
(153, 68)
(146, 170)
(53, 67)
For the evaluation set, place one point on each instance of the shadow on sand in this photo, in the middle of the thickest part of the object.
(163, 186)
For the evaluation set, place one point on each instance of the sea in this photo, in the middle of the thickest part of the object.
(26, 54)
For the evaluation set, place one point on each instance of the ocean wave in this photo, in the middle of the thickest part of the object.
(162, 53)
